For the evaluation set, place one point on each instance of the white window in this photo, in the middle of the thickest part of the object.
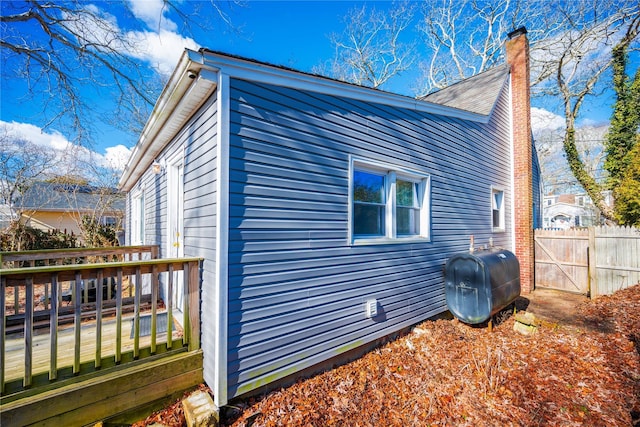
(137, 219)
(109, 221)
(497, 209)
(388, 203)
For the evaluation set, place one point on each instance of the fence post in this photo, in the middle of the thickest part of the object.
(593, 282)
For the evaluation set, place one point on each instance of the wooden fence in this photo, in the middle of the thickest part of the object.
(593, 261)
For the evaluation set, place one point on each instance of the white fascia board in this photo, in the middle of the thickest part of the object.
(176, 94)
(270, 74)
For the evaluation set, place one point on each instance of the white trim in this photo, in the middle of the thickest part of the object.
(180, 98)
(222, 239)
(174, 167)
(513, 168)
(502, 210)
(138, 203)
(391, 173)
(270, 74)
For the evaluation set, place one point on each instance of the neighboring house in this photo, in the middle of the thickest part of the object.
(53, 206)
(325, 211)
(569, 210)
(6, 215)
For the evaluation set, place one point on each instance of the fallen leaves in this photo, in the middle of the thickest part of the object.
(447, 373)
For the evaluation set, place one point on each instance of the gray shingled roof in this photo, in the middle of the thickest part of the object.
(46, 196)
(477, 94)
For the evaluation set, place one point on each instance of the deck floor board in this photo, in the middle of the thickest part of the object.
(15, 354)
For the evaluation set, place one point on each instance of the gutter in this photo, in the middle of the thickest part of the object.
(185, 80)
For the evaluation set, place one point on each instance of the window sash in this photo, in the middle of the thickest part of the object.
(397, 213)
(497, 210)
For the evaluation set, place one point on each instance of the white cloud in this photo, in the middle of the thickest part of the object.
(70, 155)
(162, 50)
(152, 13)
(544, 120)
(117, 156)
(35, 135)
(160, 46)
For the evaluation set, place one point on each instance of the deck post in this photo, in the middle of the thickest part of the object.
(99, 286)
(3, 312)
(77, 322)
(53, 328)
(28, 332)
(194, 305)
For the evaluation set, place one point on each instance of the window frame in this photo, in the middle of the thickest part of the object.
(391, 174)
(501, 228)
(138, 216)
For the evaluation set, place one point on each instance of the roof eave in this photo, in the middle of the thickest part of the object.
(185, 92)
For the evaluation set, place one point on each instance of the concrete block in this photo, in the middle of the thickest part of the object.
(524, 329)
(200, 411)
(527, 318)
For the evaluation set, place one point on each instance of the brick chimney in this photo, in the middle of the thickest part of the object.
(517, 52)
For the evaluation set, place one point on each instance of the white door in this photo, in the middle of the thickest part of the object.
(175, 221)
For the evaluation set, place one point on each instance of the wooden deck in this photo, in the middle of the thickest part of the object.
(14, 345)
(73, 351)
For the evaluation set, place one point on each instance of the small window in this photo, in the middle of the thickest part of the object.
(369, 204)
(137, 220)
(388, 203)
(109, 221)
(407, 208)
(497, 209)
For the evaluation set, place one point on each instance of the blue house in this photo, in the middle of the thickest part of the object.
(325, 211)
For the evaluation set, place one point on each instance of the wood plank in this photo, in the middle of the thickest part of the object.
(113, 345)
(3, 319)
(55, 254)
(89, 271)
(98, 341)
(117, 390)
(53, 329)
(28, 335)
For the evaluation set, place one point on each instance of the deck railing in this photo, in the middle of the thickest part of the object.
(74, 256)
(81, 324)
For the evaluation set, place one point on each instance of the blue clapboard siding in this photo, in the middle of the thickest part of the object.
(198, 143)
(297, 287)
(537, 189)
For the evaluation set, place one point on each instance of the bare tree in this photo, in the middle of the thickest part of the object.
(22, 163)
(61, 47)
(370, 52)
(571, 45)
(570, 64)
(72, 52)
(466, 37)
(558, 176)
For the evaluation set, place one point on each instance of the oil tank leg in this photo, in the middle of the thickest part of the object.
(490, 324)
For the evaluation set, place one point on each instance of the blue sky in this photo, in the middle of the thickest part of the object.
(290, 33)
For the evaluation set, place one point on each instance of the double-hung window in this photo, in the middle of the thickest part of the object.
(369, 203)
(497, 209)
(137, 219)
(388, 204)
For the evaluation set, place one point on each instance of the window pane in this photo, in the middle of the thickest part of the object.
(497, 199)
(407, 221)
(368, 220)
(368, 187)
(405, 193)
(496, 218)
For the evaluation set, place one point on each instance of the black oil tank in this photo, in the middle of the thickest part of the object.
(479, 284)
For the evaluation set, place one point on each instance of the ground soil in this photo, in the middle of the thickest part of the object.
(581, 367)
